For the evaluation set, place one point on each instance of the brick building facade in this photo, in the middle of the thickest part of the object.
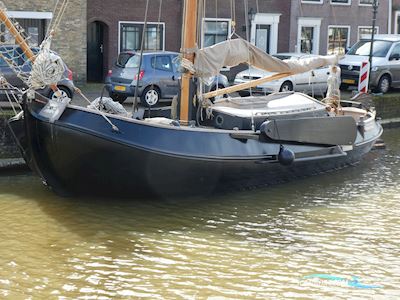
(70, 39)
(330, 26)
(115, 26)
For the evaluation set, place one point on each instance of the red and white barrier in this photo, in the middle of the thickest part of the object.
(364, 77)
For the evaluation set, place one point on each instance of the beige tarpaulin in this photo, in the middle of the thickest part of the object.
(209, 61)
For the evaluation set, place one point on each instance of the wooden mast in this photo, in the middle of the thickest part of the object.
(188, 46)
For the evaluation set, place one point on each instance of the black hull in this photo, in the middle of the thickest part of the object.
(80, 154)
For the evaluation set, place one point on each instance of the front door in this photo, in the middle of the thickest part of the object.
(263, 37)
(95, 50)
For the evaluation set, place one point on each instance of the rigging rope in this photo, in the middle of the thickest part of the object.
(135, 102)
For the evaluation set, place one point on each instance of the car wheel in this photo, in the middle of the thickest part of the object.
(118, 97)
(65, 92)
(151, 96)
(214, 88)
(287, 86)
(383, 84)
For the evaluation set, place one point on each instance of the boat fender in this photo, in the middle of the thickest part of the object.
(285, 156)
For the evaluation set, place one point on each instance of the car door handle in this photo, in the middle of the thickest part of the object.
(175, 77)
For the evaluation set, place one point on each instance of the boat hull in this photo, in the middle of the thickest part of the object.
(80, 154)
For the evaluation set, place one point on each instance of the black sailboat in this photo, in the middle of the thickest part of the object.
(241, 142)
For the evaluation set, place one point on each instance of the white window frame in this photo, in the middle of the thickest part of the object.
(339, 26)
(266, 19)
(363, 4)
(140, 23)
(309, 22)
(29, 15)
(344, 4)
(367, 27)
(396, 22)
(215, 20)
(312, 2)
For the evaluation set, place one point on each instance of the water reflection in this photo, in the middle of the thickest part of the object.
(254, 244)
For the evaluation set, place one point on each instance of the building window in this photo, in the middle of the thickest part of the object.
(338, 39)
(364, 32)
(366, 2)
(308, 35)
(312, 1)
(215, 31)
(130, 36)
(397, 22)
(35, 29)
(307, 40)
(341, 2)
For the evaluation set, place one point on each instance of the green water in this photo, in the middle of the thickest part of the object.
(250, 245)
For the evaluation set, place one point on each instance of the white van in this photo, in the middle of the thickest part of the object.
(385, 72)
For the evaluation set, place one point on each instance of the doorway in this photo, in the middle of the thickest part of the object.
(95, 51)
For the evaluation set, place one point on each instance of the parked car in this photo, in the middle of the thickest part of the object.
(65, 85)
(385, 71)
(313, 82)
(159, 77)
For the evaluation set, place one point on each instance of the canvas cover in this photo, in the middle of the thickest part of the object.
(210, 60)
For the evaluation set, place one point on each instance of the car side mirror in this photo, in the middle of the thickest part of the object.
(395, 56)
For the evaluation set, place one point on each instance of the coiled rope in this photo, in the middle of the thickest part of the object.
(48, 68)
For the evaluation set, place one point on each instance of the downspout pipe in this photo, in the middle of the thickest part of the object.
(390, 13)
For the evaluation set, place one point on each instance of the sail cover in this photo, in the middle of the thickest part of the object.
(209, 61)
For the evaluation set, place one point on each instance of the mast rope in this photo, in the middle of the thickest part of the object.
(136, 101)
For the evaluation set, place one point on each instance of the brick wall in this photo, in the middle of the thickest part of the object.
(353, 15)
(70, 39)
(111, 12)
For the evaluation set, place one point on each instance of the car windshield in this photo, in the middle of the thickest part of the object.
(128, 60)
(381, 48)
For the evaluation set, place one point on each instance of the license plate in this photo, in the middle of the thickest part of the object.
(120, 88)
(349, 81)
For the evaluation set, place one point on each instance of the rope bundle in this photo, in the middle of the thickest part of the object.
(47, 69)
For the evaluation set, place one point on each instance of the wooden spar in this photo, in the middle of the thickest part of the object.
(245, 85)
(18, 38)
(188, 44)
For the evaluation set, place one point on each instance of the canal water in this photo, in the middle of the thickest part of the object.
(335, 236)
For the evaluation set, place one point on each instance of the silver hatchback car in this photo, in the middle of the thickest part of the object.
(159, 77)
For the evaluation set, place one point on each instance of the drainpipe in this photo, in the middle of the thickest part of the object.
(390, 16)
